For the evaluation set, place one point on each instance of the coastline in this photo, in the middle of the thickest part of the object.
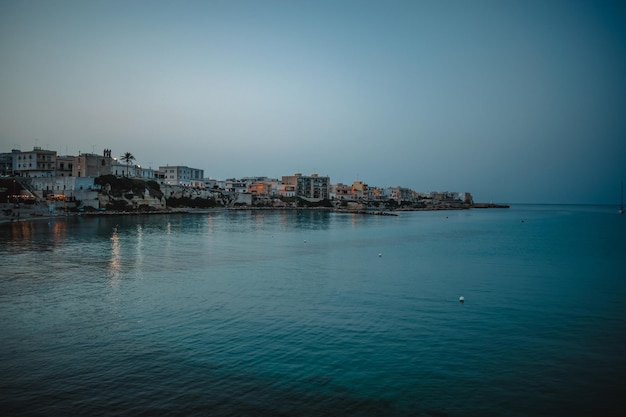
(27, 215)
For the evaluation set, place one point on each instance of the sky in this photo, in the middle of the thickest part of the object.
(513, 101)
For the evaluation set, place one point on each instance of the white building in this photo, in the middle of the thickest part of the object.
(121, 169)
(145, 173)
(233, 185)
(65, 186)
(36, 163)
(182, 175)
(211, 183)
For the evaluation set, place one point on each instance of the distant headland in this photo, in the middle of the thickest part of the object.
(40, 183)
(27, 199)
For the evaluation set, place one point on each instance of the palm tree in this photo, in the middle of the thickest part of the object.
(128, 158)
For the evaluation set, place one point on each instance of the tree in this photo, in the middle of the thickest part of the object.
(128, 158)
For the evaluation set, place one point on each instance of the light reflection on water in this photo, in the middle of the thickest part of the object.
(115, 265)
(139, 256)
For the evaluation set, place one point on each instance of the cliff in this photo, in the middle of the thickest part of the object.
(127, 194)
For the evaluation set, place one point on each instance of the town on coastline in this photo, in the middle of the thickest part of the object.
(42, 183)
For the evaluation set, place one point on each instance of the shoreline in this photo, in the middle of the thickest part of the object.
(190, 210)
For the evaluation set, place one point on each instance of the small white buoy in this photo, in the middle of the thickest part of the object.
(461, 299)
(380, 255)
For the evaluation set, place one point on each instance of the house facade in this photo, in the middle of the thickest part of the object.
(36, 163)
(93, 165)
(182, 175)
(313, 187)
(8, 162)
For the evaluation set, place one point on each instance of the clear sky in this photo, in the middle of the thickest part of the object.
(514, 101)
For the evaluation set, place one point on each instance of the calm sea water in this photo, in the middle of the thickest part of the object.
(316, 314)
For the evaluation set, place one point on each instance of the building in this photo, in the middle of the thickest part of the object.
(439, 196)
(65, 165)
(376, 193)
(401, 194)
(341, 191)
(233, 185)
(36, 163)
(291, 180)
(121, 169)
(286, 190)
(311, 187)
(357, 191)
(264, 186)
(65, 186)
(259, 188)
(181, 175)
(93, 165)
(145, 173)
(8, 162)
(360, 190)
(211, 183)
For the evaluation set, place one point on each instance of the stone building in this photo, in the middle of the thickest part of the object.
(92, 165)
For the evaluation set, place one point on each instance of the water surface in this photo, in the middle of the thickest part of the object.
(315, 313)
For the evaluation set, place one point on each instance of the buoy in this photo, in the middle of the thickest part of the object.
(461, 299)
(380, 255)
(305, 241)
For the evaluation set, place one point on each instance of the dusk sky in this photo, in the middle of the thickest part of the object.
(514, 101)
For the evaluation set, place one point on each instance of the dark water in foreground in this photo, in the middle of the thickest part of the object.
(296, 314)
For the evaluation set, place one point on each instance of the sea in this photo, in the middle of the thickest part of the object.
(315, 313)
